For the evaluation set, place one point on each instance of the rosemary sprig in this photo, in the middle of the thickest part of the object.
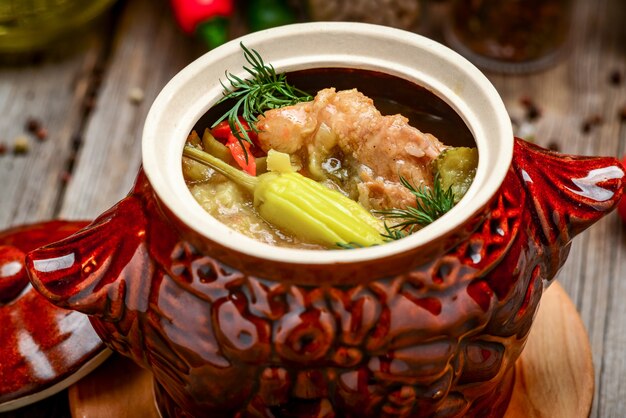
(264, 91)
(430, 204)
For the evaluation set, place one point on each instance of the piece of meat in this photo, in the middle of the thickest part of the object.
(379, 148)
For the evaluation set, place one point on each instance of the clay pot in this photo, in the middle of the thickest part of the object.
(430, 325)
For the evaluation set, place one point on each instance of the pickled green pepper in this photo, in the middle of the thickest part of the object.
(301, 206)
(456, 168)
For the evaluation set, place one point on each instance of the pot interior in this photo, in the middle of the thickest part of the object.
(392, 95)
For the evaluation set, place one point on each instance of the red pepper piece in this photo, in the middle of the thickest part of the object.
(222, 132)
(238, 153)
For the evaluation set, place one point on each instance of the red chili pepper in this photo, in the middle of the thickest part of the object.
(222, 132)
(190, 13)
(234, 145)
(206, 18)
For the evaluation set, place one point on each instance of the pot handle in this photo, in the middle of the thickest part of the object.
(568, 193)
(87, 271)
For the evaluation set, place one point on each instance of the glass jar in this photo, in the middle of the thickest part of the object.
(403, 14)
(32, 25)
(510, 35)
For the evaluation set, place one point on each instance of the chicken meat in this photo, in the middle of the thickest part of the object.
(376, 149)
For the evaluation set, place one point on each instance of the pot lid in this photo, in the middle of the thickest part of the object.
(43, 349)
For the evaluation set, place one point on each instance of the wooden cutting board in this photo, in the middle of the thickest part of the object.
(554, 376)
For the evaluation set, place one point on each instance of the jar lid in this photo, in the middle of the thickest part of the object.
(43, 348)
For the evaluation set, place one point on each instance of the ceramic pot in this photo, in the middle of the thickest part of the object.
(429, 325)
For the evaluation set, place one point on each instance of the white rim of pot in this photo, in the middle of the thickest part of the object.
(448, 75)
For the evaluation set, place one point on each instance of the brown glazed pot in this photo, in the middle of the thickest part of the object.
(427, 326)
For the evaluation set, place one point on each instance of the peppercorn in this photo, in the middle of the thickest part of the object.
(532, 111)
(136, 95)
(33, 125)
(66, 176)
(615, 78)
(554, 146)
(21, 145)
(41, 134)
(591, 122)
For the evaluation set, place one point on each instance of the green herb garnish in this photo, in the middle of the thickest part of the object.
(430, 205)
(393, 234)
(264, 91)
(350, 245)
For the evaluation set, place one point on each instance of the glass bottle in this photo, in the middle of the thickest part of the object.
(32, 25)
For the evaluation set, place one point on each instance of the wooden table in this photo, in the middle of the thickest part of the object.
(92, 151)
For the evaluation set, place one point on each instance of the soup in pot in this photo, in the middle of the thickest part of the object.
(364, 159)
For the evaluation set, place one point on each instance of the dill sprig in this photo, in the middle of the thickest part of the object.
(348, 245)
(264, 91)
(430, 205)
(392, 234)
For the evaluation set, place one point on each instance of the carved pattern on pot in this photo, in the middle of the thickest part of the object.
(439, 340)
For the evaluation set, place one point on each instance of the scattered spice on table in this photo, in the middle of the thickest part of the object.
(33, 125)
(3, 148)
(41, 134)
(525, 126)
(615, 78)
(591, 122)
(66, 176)
(90, 103)
(77, 140)
(21, 145)
(532, 110)
(553, 145)
(136, 95)
(71, 160)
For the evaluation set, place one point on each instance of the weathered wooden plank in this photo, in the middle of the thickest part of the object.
(606, 243)
(602, 246)
(53, 92)
(147, 52)
(570, 94)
